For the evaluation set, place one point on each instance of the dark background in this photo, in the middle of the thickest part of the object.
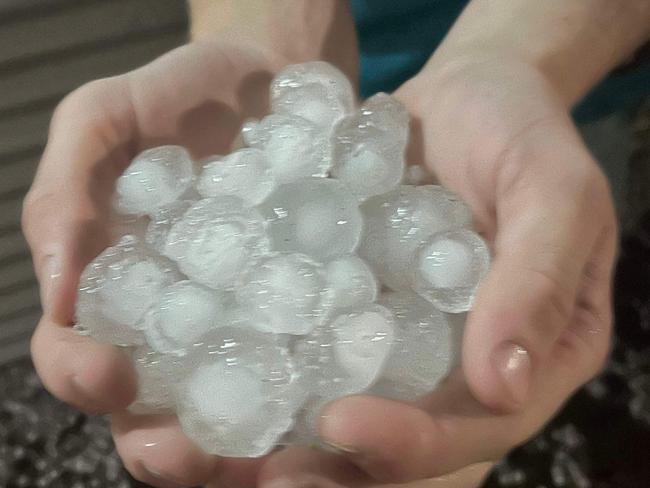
(601, 439)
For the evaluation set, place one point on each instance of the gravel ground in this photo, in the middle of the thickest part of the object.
(601, 439)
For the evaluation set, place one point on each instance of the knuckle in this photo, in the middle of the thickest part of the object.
(36, 201)
(598, 358)
(87, 105)
(81, 96)
(553, 295)
(47, 355)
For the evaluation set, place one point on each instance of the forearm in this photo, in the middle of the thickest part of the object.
(296, 31)
(573, 43)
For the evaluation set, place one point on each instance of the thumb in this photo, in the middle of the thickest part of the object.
(547, 226)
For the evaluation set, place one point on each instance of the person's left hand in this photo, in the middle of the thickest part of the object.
(498, 134)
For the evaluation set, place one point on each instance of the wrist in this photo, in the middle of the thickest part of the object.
(287, 31)
(572, 44)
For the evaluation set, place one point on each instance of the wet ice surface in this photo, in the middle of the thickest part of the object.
(284, 294)
(424, 347)
(156, 178)
(315, 91)
(245, 174)
(449, 267)
(294, 271)
(317, 217)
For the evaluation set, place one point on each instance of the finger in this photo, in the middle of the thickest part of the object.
(584, 346)
(396, 443)
(305, 468)
(96, 378)
(155, 451)
(548, 223)
(302, 467)
(66, 209)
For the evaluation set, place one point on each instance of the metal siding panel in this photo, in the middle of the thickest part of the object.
(17, 174)
(48, 48)
(15, 302)
(56, 76)
(44, 36)
(11, 244)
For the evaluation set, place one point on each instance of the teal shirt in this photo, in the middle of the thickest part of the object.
(396, 37)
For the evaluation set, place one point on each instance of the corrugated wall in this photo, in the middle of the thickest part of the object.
(48, 48)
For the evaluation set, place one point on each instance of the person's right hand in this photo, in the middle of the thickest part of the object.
(195, 96)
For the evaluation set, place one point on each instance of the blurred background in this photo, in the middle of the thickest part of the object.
(49, 47)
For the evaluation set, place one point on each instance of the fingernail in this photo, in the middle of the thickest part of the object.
(337, 448)
(50, 273)
(512, 363)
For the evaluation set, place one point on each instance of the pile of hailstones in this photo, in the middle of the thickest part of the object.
(252, 289)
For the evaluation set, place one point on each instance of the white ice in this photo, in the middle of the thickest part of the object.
(251, 289)
(317, 217)
(425, 344)
(315, 91)
(236, 401)
(294, 147)
(231, 396)
(387, 114)
(215, 240)
(363, 342)
(350, 282)
(162, 221)
(245, 173)
(397, 223)
(117, 288)
(286, 294)
(345, 356)
(154, 179)
(181, 316)
(156, 373)
(449, 268)
(368, 160)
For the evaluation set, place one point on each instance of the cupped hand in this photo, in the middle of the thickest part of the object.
(500, 137)
(497, 133)
(196, 96)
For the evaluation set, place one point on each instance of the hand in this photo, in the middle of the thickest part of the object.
(487, 149)
(497, 133)
(196, 96)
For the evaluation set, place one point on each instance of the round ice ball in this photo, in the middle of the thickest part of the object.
(156, 374)
(155, 178)
(449, 267)
(316, 217)
(369, 147)
(162, 221)
(184, 312)
(294, 147)
(312, 102)
(363, 342)
(425, 347)
(397, 223)
(237, 398)
(387, 114)
(316, 91)
(350, 282)
(217, 239)
(246, 174)
(286, 294)
(117, 288)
